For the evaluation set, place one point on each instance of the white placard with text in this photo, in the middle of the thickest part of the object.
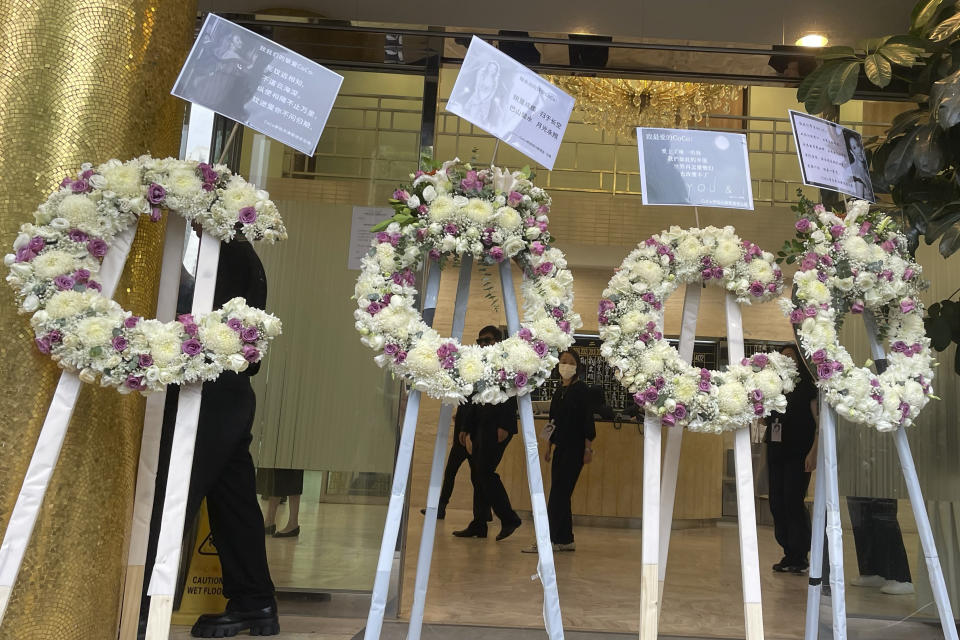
(509, 101)
(831, 156)
(364, 218)
(258, 83)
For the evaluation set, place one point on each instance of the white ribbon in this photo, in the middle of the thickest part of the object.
(828, 440)
(814, 585)
(436, 471)
(163, 580)
(545, 568)
(50, 441)
(401, 474)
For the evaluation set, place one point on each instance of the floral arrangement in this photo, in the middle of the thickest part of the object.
(493, 215)
(56, 260)
(631, 313)
(854, 263)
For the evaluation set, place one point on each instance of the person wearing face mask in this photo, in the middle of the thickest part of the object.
(570, 447)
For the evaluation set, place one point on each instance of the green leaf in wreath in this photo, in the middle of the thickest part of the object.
(879, 70)
(380, 226)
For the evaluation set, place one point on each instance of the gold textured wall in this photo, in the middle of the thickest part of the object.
(82, 81)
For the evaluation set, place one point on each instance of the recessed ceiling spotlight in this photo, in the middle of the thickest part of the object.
(812, 40)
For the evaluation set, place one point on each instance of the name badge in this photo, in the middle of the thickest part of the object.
(776, 432)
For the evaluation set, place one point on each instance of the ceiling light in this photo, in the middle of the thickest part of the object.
(812, 40)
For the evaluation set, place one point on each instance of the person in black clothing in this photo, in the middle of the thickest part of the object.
(223, 471)
(489, 429)
(573, 433)
(881, 556)
(457, 456)
(791, 457)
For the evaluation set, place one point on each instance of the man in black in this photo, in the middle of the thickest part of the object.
(489, 429)
(457, 456)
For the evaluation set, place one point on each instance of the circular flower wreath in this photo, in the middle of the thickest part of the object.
(851, 263)
(57, 258)
(631, 311)
(493, 215)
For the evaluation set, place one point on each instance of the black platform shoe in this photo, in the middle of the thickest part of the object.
(260, 622)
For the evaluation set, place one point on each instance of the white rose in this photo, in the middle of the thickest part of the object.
(236, 362)
(488, 395)
(513, 246)
(21, 241)
(429, 194)
(448, 244)
(88, 375)
(97, 181)
(509, 218)
(271, 326)
(166, 376)
(413, 202)
(532, 233)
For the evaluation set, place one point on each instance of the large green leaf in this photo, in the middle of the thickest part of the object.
(816, 98)
(945, 100)
(907, 121)
(939, 331)
(941, 222)
(879, 71)
(950, 241)
(946, 28)
(872, 44)
(837, 53)
(900, 160)
(901, 54)
(843, 83)
(928, 153)
(923, 13)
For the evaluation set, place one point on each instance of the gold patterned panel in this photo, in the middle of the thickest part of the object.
(82, 82)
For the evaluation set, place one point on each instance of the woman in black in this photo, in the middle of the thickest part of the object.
(791, 455)
(571, 447)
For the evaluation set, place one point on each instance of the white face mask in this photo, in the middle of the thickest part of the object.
(567, 371)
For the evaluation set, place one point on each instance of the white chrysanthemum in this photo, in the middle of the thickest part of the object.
(479, 211)
(442, 208)
(651, 365)
(386, 255)
(631, 321)
(522, 357)
(423, 360)
(184, 182)
(760, 270)
(508, 218)
(65, 304)
(769, 383)
(857, 248)
(219, 338)
(95, 331)
(164, 349)
(238, 195)
(53, 263)
(732, 398)
(124, 180)
(817, 292)
(689, 249)
(727, 252)
(649, 272)
(684, 389)
(81, 212)
(471, 368)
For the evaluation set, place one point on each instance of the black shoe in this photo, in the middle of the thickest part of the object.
(472, 531)
(269, 531)
(441, 512)
(293, 533)
(507, 529)
(260, 622)
(781, 567)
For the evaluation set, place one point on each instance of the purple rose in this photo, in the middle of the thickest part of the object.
(207, 172)
(401, 195)
(648, 297)
(802, 225)
(451, 229)
(564, 326)
(77, 236)
(25, 255)
(134, 382)
(856, 307)
(55, 336)
(156, 193)
(705, 374)
(819, 356)
(607, 305)
(235, 324)
(808, 263)
(758, 409)
(97, 247)
(542, 226)
(191, 347)
(190, 329)
(434, 255)
(520, 379)
(825, 370)
(659, 382)
(525, 334)
(63, 283)
(717, 273)
(706, 274)
(247, 215)
(471, 182)
(899, 346)
(66, 182)
(756, 288)
(761, 360)
(772, 287)
(836, 230)
(185, 318)
(80, 186)
(131, 322)
(496, 253)
(908, 273)
(81, 275)
(651, 395)
(145, 360)
(704, 385)
(638, 398)
(810, 312)
(155, 214)
(93, 284)
(400, 357)
(680, 411)
(250, 353)
(668, 419)
(36, 244)
(374, 308)
(43, 344)
(889, 246)
(545, 268)
(756, 395)
(391, 348)
(250, 334)
(537, 247)
(907, 305)
(796, 316)
(543, 209)
(541, 348)
(119, 343)
(557, 312)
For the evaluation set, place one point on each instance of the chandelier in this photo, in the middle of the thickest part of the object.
(619, 106)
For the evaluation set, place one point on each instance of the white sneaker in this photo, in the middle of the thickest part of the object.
(894, 588)
(868, 581)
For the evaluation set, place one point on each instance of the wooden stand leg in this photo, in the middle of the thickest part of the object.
(545, 568)
(26, 509)
(671, 457)
(746, 506)
(401, 474)
(436, 470)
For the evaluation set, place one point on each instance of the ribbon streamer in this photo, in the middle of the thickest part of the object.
(50, 441)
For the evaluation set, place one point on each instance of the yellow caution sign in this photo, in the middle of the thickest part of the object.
(203, 590)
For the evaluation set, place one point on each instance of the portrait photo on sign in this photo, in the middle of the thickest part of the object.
(481, 92)
(831, 156)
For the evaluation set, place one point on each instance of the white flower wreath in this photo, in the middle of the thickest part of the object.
(493, 215)
(851, 264)
(631, 313)
(57, 259)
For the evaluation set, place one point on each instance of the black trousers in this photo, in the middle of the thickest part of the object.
(224, 474)
(788, 490)
(488, 490)
(566, 468)
(458, 454)
(877, 536)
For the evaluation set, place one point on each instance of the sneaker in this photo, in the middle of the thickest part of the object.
(569, 546)
(868, 581)
(894, 588)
